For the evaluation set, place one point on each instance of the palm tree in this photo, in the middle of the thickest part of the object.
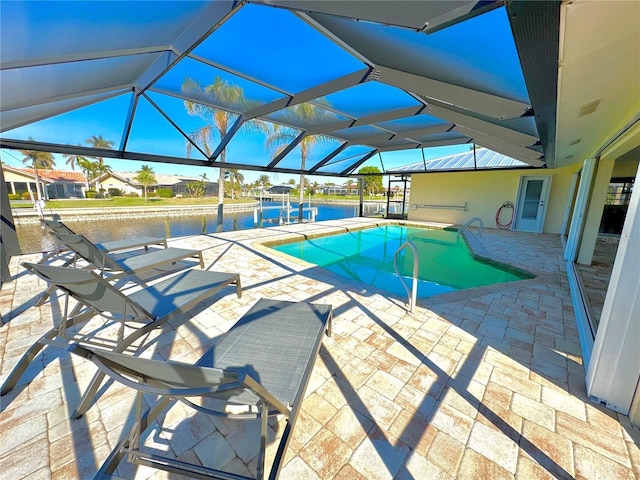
(263, 180)
(100, 169)
(97, 141)
(146, 177)
(87, 167)
(283, 136)
(36, 160)
(235, 178)
(73, 159)
(218, 120)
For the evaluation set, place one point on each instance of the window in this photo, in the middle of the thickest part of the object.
(20, 187)
(619, 192)
(615, 205)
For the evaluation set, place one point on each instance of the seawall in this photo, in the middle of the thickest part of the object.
(24, 216)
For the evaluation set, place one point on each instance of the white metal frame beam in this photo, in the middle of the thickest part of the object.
(24, 115)
(423, 15)
(489, 105)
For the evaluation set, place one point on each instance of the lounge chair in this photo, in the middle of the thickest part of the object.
(106, 263)
(259, 368)
(57, 227)
(142, 311)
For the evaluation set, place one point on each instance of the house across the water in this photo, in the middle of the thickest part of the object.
(126, 183)
(54, 184)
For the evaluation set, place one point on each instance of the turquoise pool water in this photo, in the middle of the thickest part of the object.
(446, 264)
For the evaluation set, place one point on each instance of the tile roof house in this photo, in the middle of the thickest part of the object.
(59, 183)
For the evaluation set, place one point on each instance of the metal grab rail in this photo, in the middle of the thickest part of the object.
(416, 263)
(474, 219)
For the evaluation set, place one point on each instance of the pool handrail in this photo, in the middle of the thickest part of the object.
(416, 263)
(474, 219)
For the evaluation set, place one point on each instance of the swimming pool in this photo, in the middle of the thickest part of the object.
(446, 264)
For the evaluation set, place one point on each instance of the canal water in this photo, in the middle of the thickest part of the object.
(36, 238)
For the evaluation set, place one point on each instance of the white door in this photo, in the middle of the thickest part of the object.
(532, 203)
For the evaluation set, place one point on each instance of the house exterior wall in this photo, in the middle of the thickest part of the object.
(484, 193)
(113, 182)
(20, 183)
(624, 169)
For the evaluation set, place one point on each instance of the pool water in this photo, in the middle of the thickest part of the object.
(446, 264)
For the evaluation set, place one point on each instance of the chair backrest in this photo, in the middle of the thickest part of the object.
(87, 250)
(162, 377)
(58, 227)
(89, 289)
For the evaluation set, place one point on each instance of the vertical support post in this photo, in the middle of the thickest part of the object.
(389, 197)
(475, 162)
(9, 245)
(220, 218)
(361, 192)
(404, 195)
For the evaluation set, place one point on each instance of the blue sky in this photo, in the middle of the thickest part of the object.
(285, 53)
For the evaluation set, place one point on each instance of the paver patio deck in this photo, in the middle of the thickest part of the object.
(485, 383)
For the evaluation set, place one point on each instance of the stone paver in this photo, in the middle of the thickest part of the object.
(481, 383)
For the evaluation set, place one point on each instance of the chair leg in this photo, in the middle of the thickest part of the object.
(42, 342)
(264, 417)
(88, 396)
(96, 381)
(22, 365)
(45, 295)
(118, 453)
